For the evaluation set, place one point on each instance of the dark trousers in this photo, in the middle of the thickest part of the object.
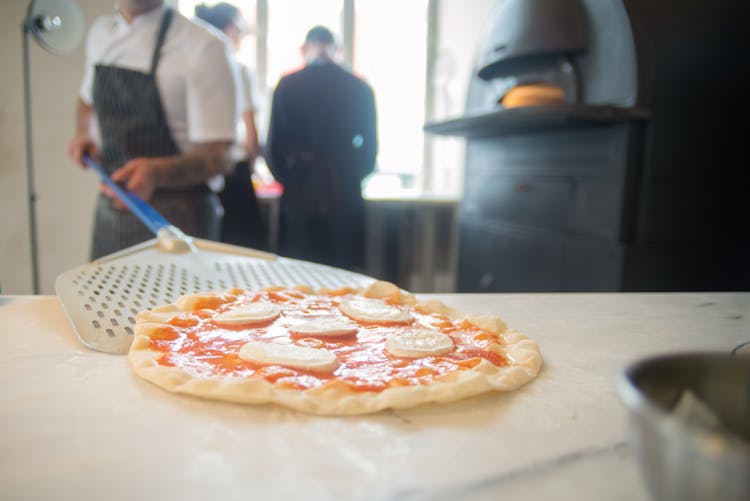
(335, 239)
(243, 222)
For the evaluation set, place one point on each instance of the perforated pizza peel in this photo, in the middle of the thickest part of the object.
(102, 298)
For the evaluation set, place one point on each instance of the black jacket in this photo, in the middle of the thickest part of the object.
(322, 137)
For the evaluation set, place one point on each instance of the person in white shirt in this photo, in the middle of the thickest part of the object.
(243, 222)
(158, 107)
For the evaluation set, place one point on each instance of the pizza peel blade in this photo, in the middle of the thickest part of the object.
(102, 298)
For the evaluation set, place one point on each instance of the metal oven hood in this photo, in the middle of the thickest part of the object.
(527, 34)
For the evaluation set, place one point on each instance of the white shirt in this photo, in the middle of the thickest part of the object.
(196, 76)
(248, 95)
(248, 102)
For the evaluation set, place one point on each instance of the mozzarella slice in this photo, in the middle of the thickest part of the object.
(253, 313)
(373, 310)
(324, 327)
(418, 343)
(297, 357)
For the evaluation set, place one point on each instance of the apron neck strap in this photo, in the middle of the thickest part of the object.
(166, 20)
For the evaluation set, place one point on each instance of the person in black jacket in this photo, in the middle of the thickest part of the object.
(321, 144)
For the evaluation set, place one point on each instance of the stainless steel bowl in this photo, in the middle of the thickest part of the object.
(690, 425)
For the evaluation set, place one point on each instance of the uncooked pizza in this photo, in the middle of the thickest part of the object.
(331, 352)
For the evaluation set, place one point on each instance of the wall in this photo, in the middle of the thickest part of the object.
(65, 193)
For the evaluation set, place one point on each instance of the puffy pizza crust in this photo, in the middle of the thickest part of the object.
(335, 397)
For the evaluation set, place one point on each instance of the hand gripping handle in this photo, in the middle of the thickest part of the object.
(142, 210)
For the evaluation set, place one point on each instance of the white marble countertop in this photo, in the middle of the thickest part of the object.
(77, 424)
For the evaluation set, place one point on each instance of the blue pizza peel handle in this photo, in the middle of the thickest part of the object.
(169, 238)
(142, 210)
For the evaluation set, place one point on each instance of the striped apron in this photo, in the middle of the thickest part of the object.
(133, 124)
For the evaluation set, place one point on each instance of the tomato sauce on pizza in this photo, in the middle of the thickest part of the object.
(198, 344)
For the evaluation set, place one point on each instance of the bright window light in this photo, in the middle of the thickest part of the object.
(389, 51)
(288, 23)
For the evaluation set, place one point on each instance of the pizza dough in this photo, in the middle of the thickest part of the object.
(328, 352)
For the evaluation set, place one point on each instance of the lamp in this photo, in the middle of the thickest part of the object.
(57, 26)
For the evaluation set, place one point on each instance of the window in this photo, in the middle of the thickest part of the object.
(383, 41)
(288, 23)
(390, 49)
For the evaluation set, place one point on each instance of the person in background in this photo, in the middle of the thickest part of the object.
(158, 108)
(321, 144)
(243, 222)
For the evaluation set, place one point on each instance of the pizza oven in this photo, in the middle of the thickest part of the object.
(584, 48)
(585, 167)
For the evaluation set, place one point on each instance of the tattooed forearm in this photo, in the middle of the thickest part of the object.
(194, 167)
